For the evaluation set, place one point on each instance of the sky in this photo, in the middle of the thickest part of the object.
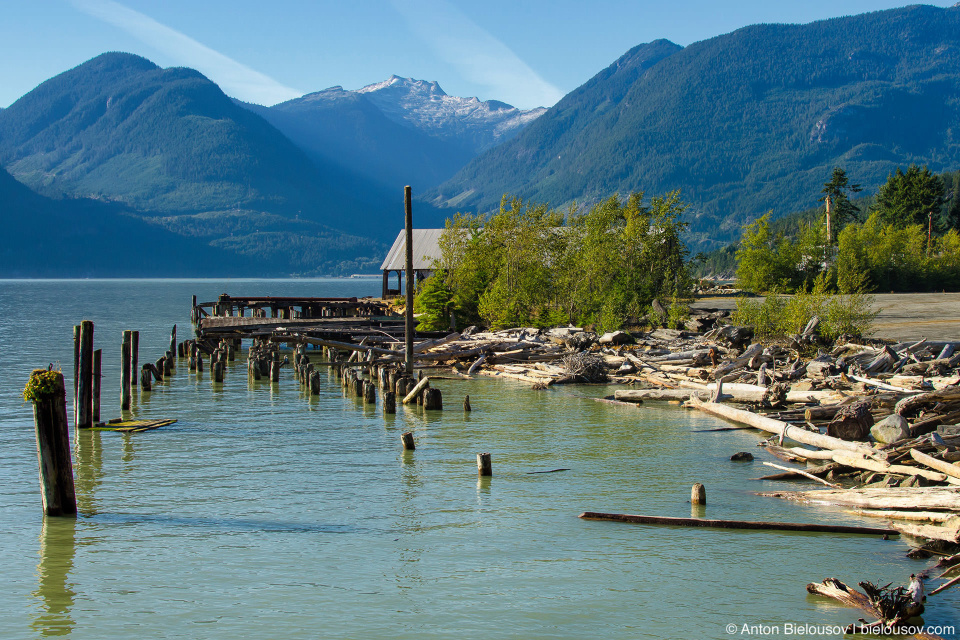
(527, 53)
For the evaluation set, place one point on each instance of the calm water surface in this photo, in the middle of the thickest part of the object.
(265, 513)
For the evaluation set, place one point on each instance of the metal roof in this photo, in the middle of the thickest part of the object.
(426, 247)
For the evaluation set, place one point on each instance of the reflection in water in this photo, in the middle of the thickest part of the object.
(87, 469)
(410, 523)
(128, 449)
(54, 593)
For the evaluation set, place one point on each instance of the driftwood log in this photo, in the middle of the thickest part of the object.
(780, 428)
(851, 422)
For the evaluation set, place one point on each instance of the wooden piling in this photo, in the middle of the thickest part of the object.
(168, 364)
(199, 362)
(358, 387)
(218, 371)
(173, 341)
(84, 406)
(274, 371)
(369, 392)
(315, 383)
(466, 403)
(97, 368)
(698, 494)
(76, 366)
(146, 376)
(53, 444)
(389, 402)
(432, 399)
(407, 440)
(134, 356)
(125, 372)
(484, 465)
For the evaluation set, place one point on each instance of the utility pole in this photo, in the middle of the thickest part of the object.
(829, 233)
(408, 324)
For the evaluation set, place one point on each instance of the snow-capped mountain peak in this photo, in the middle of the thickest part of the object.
(423, 105)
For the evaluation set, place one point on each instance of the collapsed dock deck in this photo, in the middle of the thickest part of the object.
(342, 319)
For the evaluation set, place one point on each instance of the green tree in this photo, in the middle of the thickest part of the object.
(765, 261)
(527, 265)
(836, 197)
(911, 197)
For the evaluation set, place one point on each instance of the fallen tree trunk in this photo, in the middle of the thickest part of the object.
(913, 403)
(849, 459)
(836, 590)
(639, 395)
(941, 466)
(901, 498)
(804, 474)
(930, 532)
(780, 428)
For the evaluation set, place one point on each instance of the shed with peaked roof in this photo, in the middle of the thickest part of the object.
(426, 248)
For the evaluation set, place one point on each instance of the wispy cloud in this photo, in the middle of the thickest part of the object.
(234, 78)
(480, 57)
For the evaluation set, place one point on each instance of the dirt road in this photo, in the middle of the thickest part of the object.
(903, 316)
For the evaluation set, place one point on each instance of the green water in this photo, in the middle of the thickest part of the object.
(267, 513)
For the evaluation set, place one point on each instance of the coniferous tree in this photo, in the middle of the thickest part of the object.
(841, 210)
(909, 198)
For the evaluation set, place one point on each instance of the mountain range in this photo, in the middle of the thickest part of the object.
(169, 149)
(400, 131)
(742, 123)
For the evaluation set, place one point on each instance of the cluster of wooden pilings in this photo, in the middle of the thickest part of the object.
(362, 378)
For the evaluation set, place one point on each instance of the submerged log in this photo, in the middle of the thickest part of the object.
(734, 524)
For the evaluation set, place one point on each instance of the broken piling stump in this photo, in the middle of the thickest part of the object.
(46, 390)
(484, 465)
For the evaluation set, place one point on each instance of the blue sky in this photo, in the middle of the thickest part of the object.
(524, 52)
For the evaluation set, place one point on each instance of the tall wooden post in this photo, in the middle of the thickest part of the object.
(76, 367)
(125, 373)
(408, 324)
(173, 340)
(84, 406)
(97, 368)
(134, 356)
(53, 447)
